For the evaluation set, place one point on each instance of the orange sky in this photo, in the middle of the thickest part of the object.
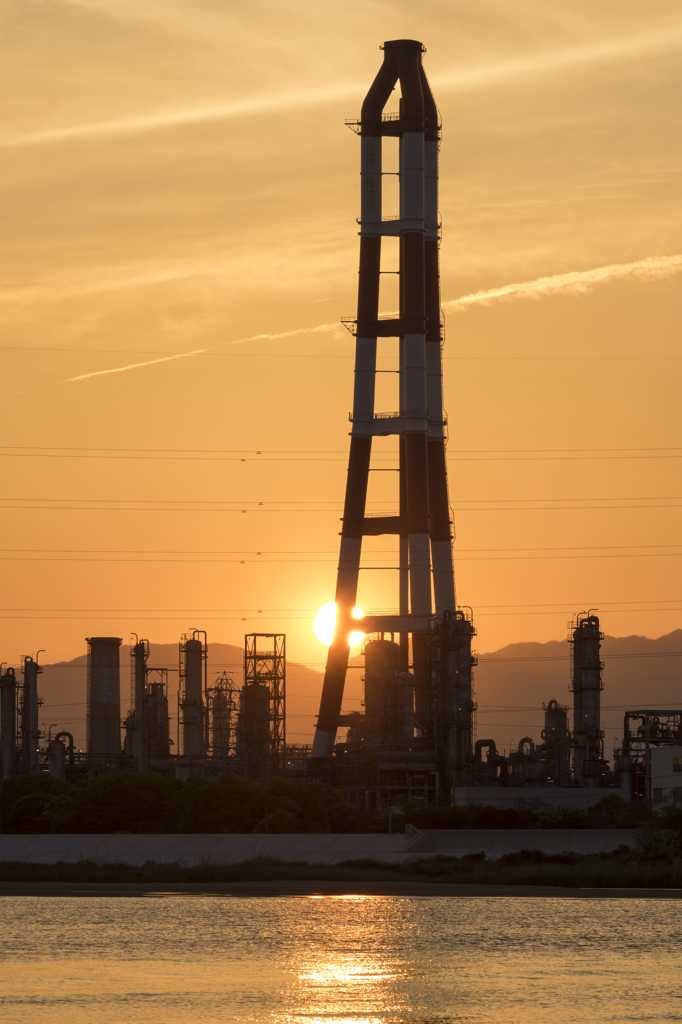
(177, 177)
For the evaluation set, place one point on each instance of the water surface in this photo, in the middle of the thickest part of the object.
(339, 960)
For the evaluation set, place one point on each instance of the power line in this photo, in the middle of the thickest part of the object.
(312, 610)
(317, 511)
(334, 501)
(257, 617)
(605, 657)
(322, 561)
(324, 355)
(322, 451)
(165, 551)
(245, 459)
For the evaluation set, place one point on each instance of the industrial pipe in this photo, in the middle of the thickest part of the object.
(70, 746)
(490, 744)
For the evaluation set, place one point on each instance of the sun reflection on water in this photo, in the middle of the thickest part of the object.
(354, 975)
(345, 960)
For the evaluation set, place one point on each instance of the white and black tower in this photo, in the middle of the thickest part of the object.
(426, 588)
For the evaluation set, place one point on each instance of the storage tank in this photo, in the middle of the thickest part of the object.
(255, 725)
(104, 695)
(383, 696)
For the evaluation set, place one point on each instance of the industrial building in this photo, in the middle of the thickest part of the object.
(222, 729)
(396, 750)
(415, 739)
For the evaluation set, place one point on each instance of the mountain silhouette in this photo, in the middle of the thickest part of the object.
(511, 685)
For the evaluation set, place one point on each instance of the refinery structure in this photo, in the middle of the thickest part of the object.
(222, 729)
(415, 740)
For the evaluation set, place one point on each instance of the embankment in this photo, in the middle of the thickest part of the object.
(196, 850)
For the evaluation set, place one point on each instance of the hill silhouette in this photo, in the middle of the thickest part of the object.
(63, 689)
(511, 685)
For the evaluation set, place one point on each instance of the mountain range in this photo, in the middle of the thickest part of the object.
(511, 685)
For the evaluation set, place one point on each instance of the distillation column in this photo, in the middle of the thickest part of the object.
(588, 737)
(423, 524)
(30, 733)
(8, 723)
(192, 659)
(139, 652)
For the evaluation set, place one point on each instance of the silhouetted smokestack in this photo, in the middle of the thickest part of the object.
(423, 524)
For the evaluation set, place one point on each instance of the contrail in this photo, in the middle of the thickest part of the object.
(577, 281)
(319, 329)
(130, 366)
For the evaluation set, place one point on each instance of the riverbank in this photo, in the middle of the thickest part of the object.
(623, 869)
(200, 849)
(311, 890)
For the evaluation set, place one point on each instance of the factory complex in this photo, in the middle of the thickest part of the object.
(414, 741)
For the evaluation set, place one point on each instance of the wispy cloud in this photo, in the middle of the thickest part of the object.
(102, 279)
(264, 104)
(215, 265)
(650, 269)
(576, 282)
(666, 37)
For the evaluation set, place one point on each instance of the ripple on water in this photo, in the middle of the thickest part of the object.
(359, 960)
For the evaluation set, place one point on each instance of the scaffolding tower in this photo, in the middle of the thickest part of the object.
(262, 712)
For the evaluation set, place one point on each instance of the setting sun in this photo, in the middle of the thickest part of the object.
(325, 620)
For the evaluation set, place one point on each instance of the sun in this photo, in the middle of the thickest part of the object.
(324, 623)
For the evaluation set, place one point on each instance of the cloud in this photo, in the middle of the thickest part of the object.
(264, 104)
(115, 278)
(577, 281)
(666, 37)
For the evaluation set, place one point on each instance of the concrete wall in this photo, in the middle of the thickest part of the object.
(313, 849)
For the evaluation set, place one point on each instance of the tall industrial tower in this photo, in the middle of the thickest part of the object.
(423, 525)
(588, 736)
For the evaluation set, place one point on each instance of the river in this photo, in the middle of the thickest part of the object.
(339, 960)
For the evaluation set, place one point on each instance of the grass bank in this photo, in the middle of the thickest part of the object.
(624, 868)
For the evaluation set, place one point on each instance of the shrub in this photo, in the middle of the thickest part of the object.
(116, 802)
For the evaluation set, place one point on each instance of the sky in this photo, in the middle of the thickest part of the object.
(179, 199)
